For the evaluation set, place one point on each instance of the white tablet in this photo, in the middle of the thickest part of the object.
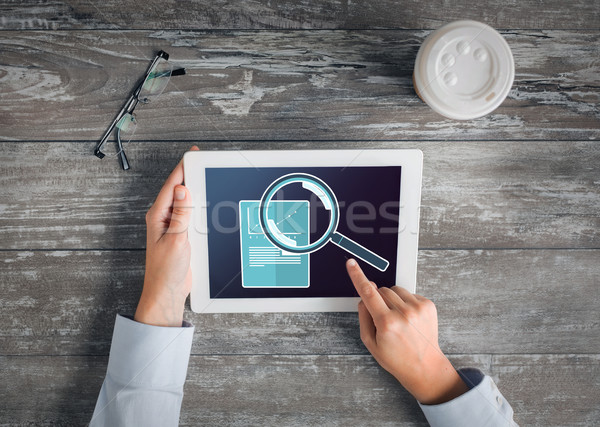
(271, 230)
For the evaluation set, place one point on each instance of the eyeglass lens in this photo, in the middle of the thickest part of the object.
(156, 81)
(126, 128)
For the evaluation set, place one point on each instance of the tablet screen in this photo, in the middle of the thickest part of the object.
(315, 219)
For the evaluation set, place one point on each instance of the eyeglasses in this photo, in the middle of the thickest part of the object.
(155, 80)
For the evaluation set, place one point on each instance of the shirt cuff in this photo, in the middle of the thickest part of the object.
(482, 405)
(149, 356)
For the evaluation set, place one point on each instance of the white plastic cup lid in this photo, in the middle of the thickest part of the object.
(464, 70)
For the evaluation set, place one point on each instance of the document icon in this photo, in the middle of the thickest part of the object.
(263, 264)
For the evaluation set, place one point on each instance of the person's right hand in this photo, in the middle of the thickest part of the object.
(400, 330)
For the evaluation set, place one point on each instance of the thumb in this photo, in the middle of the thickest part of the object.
(182, 211)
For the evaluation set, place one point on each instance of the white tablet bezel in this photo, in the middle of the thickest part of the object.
(195, 164)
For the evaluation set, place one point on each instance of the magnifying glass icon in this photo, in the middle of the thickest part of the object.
(330, 203)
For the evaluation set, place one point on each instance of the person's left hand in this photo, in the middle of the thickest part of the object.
(168, 278)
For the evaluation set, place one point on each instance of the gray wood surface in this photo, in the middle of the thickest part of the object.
(489, 301)
(290, 14)
(298, 85)
(513, 194)
(329, 390)
(510, 249)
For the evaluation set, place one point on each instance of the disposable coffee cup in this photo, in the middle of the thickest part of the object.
(464, 70)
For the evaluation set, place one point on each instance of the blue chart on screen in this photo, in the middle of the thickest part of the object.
(263, 264)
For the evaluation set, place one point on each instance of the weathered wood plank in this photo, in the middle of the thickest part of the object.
(353, 390)
(514, 301)
(340, 390)
(328, 85)
(288, 14)
(511, 194)
(549, 390)
(508, 301)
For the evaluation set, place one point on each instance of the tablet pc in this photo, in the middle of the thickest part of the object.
(270, 231)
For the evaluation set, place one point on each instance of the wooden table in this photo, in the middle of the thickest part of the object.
(510, 249)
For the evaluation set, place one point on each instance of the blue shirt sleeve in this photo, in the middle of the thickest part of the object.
(148, 365)
(146, 372)
(482, 405)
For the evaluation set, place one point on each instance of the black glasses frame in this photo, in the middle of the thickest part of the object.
(129, 107)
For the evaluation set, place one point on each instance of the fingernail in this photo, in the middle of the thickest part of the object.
(351, 262)
(179, 193)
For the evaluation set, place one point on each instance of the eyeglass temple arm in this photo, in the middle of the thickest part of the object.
(130, 104)
(122, 157)
(123, 160)
(165, 56)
